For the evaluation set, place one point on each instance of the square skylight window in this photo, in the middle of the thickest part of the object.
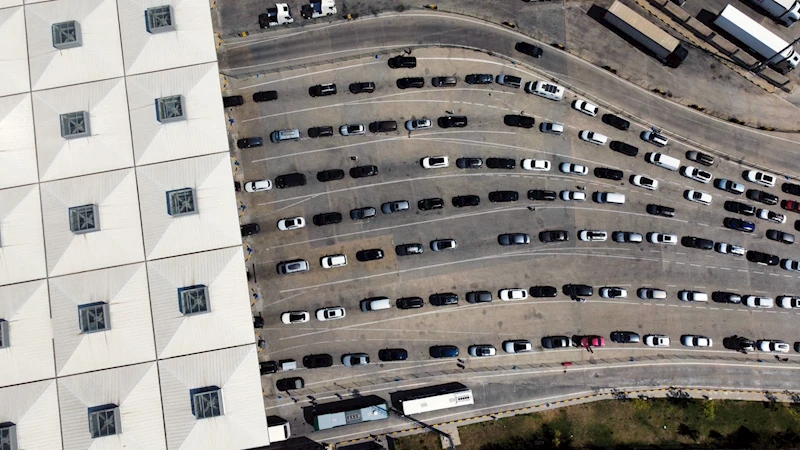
(104, 421)
(159, 19)
(8, 436)
(93, 317)
(74, 125)
(84, 219)
(206, 402)
(170, 109)
(66, 35)
(193, 300)
(181, 202)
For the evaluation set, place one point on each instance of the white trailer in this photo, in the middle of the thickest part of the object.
(785, 12)
(763, 42)
(665, 47)
(435, 402)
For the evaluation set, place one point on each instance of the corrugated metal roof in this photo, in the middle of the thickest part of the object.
(17, 145)
(29, 358)
(33, 407)
(14, 51)
(22, 256)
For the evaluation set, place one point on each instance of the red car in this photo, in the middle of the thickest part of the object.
(593, 341)
(791, 205)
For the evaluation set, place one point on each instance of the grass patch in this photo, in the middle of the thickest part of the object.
(675, 423)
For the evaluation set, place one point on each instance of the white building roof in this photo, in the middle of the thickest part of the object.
(109, 145)
(119, 240)
(243, 423)
(215, 222)
(10, 3)
(130, 337)
(191, 42)
(29, 357)
(17, 146)
(14, 51)
(33, 408)
(229, 321)
(98, 57)
(134, 389)
(22, 256)
(203, 132)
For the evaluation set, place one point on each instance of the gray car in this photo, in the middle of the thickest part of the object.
(395, 206)
(293, 266)
(355, 359)
(627, 237)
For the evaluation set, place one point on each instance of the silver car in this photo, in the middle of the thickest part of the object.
(355, 359)
(395, 206)
(443, 244)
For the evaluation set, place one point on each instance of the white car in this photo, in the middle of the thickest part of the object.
(692, 296)
(333, 261)
(258, 186)
(577, 196)
(645, 182)
(656, 340)
(759, 177)
(697, 196)
(513, 294)
(613, 292)
(788, 301)
(791, 265)
(481, 350)
(696, 174)
(518, 346)
(291, 223)
(593, 138)
(541, 165)
(575, 169)
(693, 340)
(418, 124)
(729, 249)
(551, 128)
(352, 130)
(355, 359)
(330, 313)
(754, 301)
(772, 346)
(768, 215)
(585, 107)
(592, 235)
(435, 162)
(295, 317)
(662, 238)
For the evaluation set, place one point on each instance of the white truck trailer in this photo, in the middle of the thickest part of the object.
(785, 12)
(666, 48)
(774, 50)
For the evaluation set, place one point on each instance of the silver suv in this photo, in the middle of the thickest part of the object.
(293, 266)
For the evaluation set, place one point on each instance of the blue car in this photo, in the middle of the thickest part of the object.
(739, 224)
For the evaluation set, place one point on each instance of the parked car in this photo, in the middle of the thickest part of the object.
(250, 142)
(395, 206)
(418, 124)
(322, 90)
(249, 229)
(696, 242)
(369, 255)
(616, 122)
(577, 291)
(512, 294)
(645, 182)
(362, 87)
(763, 197)
(729, 249)
(443, 351)
(479, 78)
(759, 177)
(613, 292)
(738, 224)
(330, 218)
(542, 291)
(466, 200)
(363, 171)
(740, 208)
(443, 299)
(516, 120)
(697, 174)
(501, 163)
(291, 223)
(694, 340)
(592, 235)
(479, 297)
(352, 130)
(410, 82)
(507, 239)
(410, 303)
(517, 346)
(627, 237)
(625, 337)
(593, 137)
(551, 128)
(780, 236)
(439, 245)
(553, 342)
(393, 354)
(585, 107)
(554, 236)
(330, 175)
(659, 210)
(539, 165)
(331, 261)
(382, 126)
(573, 169)
(625, 149)
(756, 301)
(656, 340)
(529, 49)
(409, 249)
(503, 196)
(608, 173)
(791, 188)
(700, 157)
(291, 317)
(697, 197)
(232, 100)
(662, 238)
(367, 212)
(726, 297)
(509, 81)
(577, 196)
(762, 258)
(355, 359)
(427, 204)
(434, 162)
(452, 122)
(541, 195)
(772, 346)
(293, 266)
(258, 186)
(729, 186)
(401, 61)
(770, 216)
(317, 361)
(469, 163)
(265, 96)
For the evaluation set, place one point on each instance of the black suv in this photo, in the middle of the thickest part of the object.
(452, 122)
(503, 196)
(249, 229)
(444, 299)
(410, 303)
(383, 126)
(740, 208)
(625, 149)
(542, 291)
(327, 219)
(405, 62)
(479, 78)
(469, 163)
(516, 120)
(427, 204)
(410, 82)
(479, 297)
(609, 174)
(250, 142)
(763, 197)
(616, 122)
(366, 86)
(409, 249)
(625, 337)
(265, 96)
(696, 242)
(577, 291)
(369, 255)
(762, 258)
(363, 171)
(466, 200)
(367, 212)
(529, 49)
(659, 210)
(322, 90)
(290, 180)
(330, 175)
(315, 361)
(541, 195)
(553, 236)
(501, 163)
(233, 100)
(791, 188)
(322, 131)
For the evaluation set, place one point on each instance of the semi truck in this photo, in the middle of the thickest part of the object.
(318, 8)
(773, 50)
(665, 47)
(785, 12)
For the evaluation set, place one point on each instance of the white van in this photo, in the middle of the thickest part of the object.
(610, 197)
(285, 135)
(375, 304)
(664, 161)
(593, 137)
(333, 261)
(546, 90)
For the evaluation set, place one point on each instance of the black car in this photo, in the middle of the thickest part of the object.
(577, 290)
(250, 142)
(740, 344)
(659, 210)
(363, 171)
(288, 384)
(322, 90)
(322, 131)
(739, 224)
(410, 82)
(696, 242)
(443, 299)
(383, 126)
(501, 163)
(763, 197)
(410, 303)
(426, 204)
(616, 122)
(513, 239)
(466, 200)
(469, 163)
(409, 249)
(443, 351)
(393, 354)
(452, 122)
(232, 100)
(625, 149)
(551, 342)
(405, 62)
(265, 96)
(317, 361)
(503, 196)
(367, 212)
(625, 337)
(267, 367)
(479, 297)
(542, 195)
(780, 236)
(479, 78)
(791, 188)
(726, 297)
(358, 88)
(330, 175)
(607, 173)
(249, 228)
(516, 120)
(369, 255)
(327, 219)
(762, 258)
(740, 208)
(529, 49)
(290, 180)
(554, 236)
(542, 291)
(700, 157)
(446, 81)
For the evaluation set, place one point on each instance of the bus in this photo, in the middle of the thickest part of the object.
(348, 412)
(435, 398)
